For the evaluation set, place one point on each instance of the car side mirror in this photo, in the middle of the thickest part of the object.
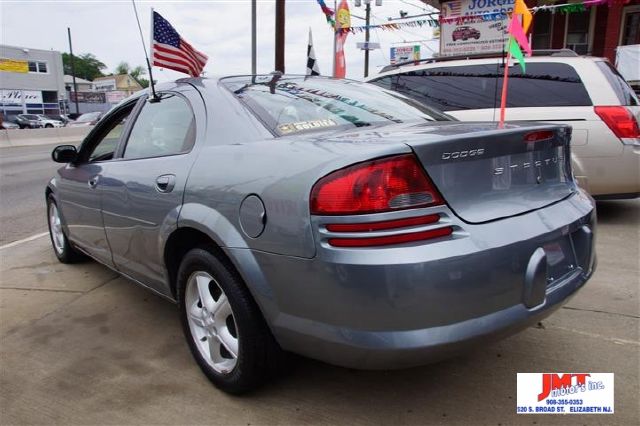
(64, 154)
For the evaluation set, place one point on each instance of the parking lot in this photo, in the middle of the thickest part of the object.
(80, 345)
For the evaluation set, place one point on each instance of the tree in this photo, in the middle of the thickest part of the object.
(86, 66)
(136, 72)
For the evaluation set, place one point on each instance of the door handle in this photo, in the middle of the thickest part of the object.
(165, 183)
(93, 182)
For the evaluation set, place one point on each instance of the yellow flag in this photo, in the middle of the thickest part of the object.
(520, 8)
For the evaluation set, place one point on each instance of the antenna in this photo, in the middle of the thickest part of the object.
(154, 96)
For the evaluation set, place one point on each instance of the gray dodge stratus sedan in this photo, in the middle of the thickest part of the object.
(329, 218)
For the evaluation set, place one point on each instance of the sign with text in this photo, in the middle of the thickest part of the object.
(405, 53)
(19, 97)
(473, 26)
(565, 393)
(14, 65)
(88, 97)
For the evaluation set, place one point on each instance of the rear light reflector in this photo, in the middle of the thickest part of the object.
(540, 135)
(387, 224)
(386, 184)
(620, 120)
(391, 239)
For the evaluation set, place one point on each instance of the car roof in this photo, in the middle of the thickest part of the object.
(564, 56)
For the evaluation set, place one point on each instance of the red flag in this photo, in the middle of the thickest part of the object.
(343, 23)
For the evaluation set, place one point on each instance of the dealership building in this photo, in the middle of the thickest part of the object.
(597, 30)
(31, 81)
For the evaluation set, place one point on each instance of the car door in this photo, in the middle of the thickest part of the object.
(79, 185)
(143, 189)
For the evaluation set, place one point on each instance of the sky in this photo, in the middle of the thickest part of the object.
(219, 28)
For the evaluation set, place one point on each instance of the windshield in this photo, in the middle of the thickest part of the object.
(289, 105)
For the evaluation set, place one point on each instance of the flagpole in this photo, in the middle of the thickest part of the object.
(154, 96)
(335, 34)
(505, 82)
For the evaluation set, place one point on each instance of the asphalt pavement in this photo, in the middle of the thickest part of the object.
(24, 173)
(79, 345)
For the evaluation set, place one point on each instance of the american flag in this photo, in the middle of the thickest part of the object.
(172, 51)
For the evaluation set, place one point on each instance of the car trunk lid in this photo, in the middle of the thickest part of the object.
(485, 173)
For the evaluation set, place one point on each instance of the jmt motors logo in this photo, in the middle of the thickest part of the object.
(553, 384)
(565, 393)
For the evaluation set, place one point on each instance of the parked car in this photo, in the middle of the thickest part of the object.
(29, 121)
(559, 86)
(6, 124)
(86, 119)
(465, 33)
(63, 118)
(329, 218)
(49, 122)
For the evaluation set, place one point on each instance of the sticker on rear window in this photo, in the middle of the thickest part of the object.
(305, 125)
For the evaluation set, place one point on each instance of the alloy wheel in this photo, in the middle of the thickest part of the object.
(55, 226)
(211, 321)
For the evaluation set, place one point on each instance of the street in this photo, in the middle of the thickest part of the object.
(81, 345)
(24, 173)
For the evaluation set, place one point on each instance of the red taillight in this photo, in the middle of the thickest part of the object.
(539, 135)
(620, 120)
(391, 239)
(383, 185)
(380, 226)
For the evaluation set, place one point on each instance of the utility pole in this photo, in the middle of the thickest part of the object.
(73, 71)
(366, 38)
(253, 37)
(280, 14)
(366, 47)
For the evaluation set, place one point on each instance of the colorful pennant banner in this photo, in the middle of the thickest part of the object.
(328, 13)
(395, 26)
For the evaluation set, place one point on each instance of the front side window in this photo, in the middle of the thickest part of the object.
(162, 128)
(295, 104)
(103, 146)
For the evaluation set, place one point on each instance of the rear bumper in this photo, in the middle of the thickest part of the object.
(611, 176)
(400, 349)
(394, 307)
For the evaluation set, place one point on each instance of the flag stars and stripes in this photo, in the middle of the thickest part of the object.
(172, 51)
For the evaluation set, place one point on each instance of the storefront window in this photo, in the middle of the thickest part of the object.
(541, 38)
(631, 27)
(578, 32)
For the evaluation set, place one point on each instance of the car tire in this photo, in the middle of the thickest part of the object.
(63, 250)
(227, 334)
(48, 126)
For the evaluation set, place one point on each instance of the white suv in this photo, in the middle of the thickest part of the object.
(560, 86)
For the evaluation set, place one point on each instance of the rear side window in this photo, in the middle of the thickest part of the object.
(479, 86)
(619, 85)
(162, 128)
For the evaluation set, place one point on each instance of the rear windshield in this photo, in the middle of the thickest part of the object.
(624, 92)
(296, 104)
(479, 86)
